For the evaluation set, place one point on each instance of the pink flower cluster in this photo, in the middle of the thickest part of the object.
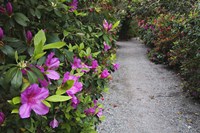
(107, 26)
(95, 110)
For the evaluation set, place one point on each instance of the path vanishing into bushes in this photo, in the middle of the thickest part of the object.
(147, 98)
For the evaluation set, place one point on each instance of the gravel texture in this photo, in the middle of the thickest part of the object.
(146, 98)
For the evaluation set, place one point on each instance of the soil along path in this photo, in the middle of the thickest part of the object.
(146, 98)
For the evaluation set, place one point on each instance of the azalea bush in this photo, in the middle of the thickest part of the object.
(172, 36)
(56, 60)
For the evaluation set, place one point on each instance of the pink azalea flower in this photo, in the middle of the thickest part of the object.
(106, 25)
(77, 63)
(106, 46)
(77, 87)
(9, 8)
(52, 64)
(95, 64)
(54, 123)
(85, 68)
(116, 66)
(100, 112)
(1, 33)
(73, 5)
(2, 118)
(29, 36)
(92, 110)
(105, 74)
(31, 99)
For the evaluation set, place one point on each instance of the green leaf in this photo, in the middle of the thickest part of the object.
(57, 45)
(32, 77)
(17, 79)
(24, 86)
(16, 56)
(69, 55)
(16, 100)
(39, 38)
(88, 51)
(68, 84)
(9, 51)
(58, 98)
(105, 37)
(46, 103)
(96, 54)
(81, 46)
(21, 19)
(10, 74)
(38, 56)
(116, 24)
(37, 72)
(15, 111)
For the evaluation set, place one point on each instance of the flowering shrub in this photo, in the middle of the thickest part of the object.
(173, 37)
(55, 63)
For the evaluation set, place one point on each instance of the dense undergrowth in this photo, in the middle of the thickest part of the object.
(56, 59)
(171, 30)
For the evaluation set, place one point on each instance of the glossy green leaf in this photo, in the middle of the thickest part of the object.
(46, 103)
(58, 98)
(57, 45)
(68, 84)
(10, 74)
(32, 77)
(21, 19)
(39, 38)
(15, 111)
(116, 25)
(16, 100)
(16, 82)
(37, 72)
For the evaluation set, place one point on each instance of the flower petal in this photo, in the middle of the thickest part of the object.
(25, 110)
(52, 74)
(42, 94)
(40, 109)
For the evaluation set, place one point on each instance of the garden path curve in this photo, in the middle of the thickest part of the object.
(146, 98)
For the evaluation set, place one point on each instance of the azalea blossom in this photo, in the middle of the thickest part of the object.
(29, 36)
(2, 117)
(54, 123)
(9, 8)
(94, 64)
(76, 63)
(92, 110)
(31, 99)
(105, 74)
(52, 64)
(73, 5)
(106, 46)
(1, 33)
(100, 112)
(77, 87)
(116, 66)
(106, 25)
(85, 68)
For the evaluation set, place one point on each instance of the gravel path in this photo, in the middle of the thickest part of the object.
(146, 98)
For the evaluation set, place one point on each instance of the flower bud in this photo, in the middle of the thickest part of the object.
(29, 36)
(54, 123)
(9, 8)
(2, 117)
(1, 33)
